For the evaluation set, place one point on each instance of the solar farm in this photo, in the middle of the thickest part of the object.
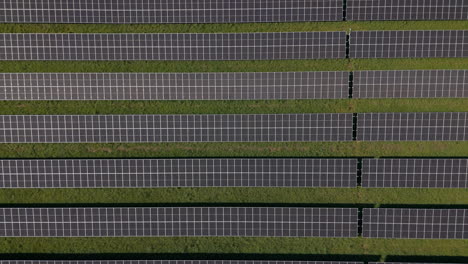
(234, 132)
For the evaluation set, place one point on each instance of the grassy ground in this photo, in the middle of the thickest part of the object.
(282, 247)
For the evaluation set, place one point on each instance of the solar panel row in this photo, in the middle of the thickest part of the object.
(412, 126)
(233, 86)
(411, 84)
(234, 221)
(224, 11)
(235, 46)
(233, 128)
(174, 86)
(170, 262)
(407, 10)
(178, 221)
(179, 47)
(152, 173)
(409, 44)
(167, 11)
(175, 128)
(415, 223)
(415, 173)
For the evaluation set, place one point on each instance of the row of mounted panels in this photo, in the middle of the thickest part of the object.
(169, 173)
(235, 46)
(435, 126)
(184, 262)
(227, 11)
(189, 262)
(234, 85)
(234, 221)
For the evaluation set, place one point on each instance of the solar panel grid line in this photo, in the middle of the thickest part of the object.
(166, 11)
(406, 263)
(171, 262)
(407, 10)
(409, 223)
(173, 86)
(173, 46)
(409, 44)
(175, 128)
(415, 173)
(153, 173)
(178, 222)
(430, 126)
(411, 84)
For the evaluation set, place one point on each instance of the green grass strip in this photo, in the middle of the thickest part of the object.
(234, 66)
(233, 28)
(267, 149)
(329, 246)
(271, 196)
(234, 107)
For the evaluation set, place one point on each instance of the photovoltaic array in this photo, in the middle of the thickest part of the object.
(415, 223)
(170, 262)
(174, 86)
(451, 126)
(174, 46)
(409, 44)
(224, 11)
(407, 10)
(411, 84)
(152, 173)
(175, 128)
(415, 173)
(178, 221)
(234, 85)
(168, 11)
(400, 263)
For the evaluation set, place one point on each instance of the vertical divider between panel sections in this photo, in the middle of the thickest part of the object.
(355, 117)
(350, 84)
(360, 221)
(359, 172)
(345, 7)
(347, 44)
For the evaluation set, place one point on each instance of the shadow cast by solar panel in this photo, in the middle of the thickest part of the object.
(191, 256)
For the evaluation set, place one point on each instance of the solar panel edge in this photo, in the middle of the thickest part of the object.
(195, 215)
(186, 12)
(187, 128)
(167, 173)
(174, 86)
(224, 46)
(415, 223)
(410, 10)
(438, 83)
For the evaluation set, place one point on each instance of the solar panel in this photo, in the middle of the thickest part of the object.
(178, 222)
(415, 173)
(175, 46)
(411, 84)
(409, 44)
(405, 263)
(175, 128)
(407, 10)
(170, 262)
(174, 86)
(167, 11)
(412, 126)
(152, 173)
(415, 223)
